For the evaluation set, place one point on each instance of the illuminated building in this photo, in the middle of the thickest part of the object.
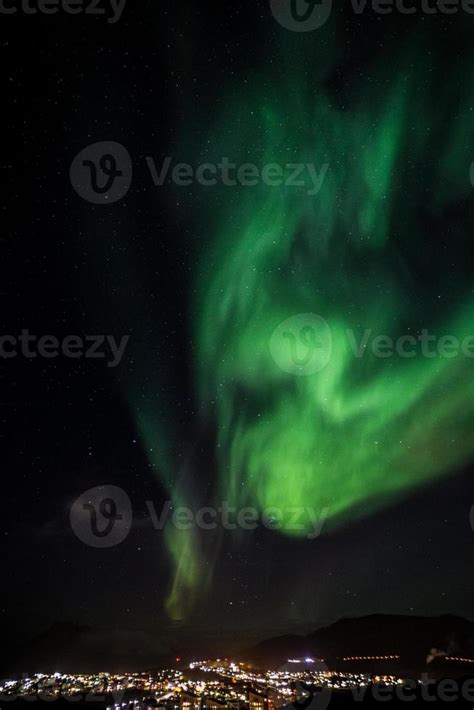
(213, 704)
(258, 701)
(190, 702)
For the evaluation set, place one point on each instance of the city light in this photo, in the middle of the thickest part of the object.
(212, 684)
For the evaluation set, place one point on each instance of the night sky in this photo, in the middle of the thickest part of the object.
(201, 408)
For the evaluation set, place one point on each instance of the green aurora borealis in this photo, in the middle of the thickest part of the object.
(382, 246)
